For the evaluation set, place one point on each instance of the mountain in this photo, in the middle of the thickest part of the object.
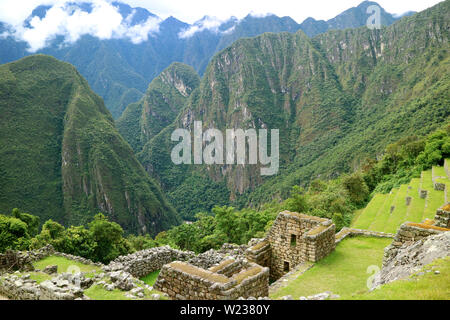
(120, 71)
(163, 101)
(337, 99)
(61, 156)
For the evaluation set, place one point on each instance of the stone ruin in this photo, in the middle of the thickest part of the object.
(293, 239)
(229, 273)
(410, 233)
(228, 280)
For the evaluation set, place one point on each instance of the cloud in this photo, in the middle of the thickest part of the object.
(65, 19)
(207, 23)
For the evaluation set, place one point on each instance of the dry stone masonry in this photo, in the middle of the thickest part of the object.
(230, 280)
(415, 245)
(294, 238)
(443, 217)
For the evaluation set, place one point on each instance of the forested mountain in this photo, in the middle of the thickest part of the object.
(61, 156)
(337, 99)
(120, 71)
(160, 106)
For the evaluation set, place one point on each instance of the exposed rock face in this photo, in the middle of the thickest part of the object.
(159, 107)
(411, 258)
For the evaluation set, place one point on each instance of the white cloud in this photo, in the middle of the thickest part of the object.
(64, 19)
(193, 10)
(105, 22)
(207, 23)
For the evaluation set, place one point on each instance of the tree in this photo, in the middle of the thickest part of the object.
(13, 234)
(298, 201)
(357, 188)
(109, 239)
(31, 221)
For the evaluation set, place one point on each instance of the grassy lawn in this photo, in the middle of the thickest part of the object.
(343, 272)
(64, 264)
(429, 286)
(151, 278)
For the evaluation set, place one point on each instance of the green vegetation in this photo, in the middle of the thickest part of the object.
(362, 91)
(99, 293)
(343, 272)
(61, 156)
(150, 279)
(64, 265)
(404, 160)
(426, 286)
(164, 99)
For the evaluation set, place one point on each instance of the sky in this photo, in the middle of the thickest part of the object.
(106, 23)
(192, 10)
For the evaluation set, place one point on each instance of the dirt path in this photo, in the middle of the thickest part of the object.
(3, 298)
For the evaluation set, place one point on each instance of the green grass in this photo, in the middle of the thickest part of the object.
(429, 286)
(99, 293)
(150, 279)
(417, 211)
(434, 200)
(439, 172)
(417, 207)
(40, 276)
(385, 213)
(398, 216)
(427, 180)
(343, 272)
(64, 264)
(370, 212)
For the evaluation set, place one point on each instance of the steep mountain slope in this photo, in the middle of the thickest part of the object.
(120, 71)
(61, 156)
(352, 18)
(163, 101)
(336, 99)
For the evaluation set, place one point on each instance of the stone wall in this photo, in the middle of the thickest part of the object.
(142, 263)
(260, 253)
(408, 234)
(21, 287)
(442, 218)
(183, 281)
(350, 232)
(23, 260)
(296, 238)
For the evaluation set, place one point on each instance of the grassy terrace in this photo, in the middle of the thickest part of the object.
(371, 211)
(343, 272)
(377, 215)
